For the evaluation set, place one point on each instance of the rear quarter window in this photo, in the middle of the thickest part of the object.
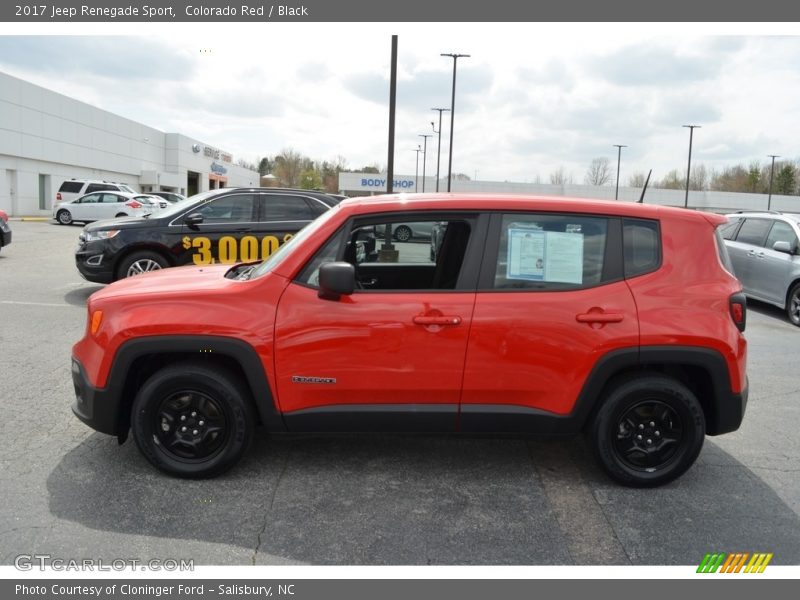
(71, 187)
(641, 242)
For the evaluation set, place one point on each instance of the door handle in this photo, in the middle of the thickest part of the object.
(437, 320)
(599, 317)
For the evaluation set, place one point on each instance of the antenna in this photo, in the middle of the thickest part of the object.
(644, 189)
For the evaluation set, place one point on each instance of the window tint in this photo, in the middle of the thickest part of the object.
(411, 265)
(228, 209)
(754, 231)
(642, 247)
(550, 251)
(99, 187)
(285, 208)
(728, 231)
(781, 232)
(72, 187)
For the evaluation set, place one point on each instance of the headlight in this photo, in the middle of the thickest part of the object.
(92, 236)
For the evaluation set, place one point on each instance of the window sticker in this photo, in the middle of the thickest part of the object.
(545, 256)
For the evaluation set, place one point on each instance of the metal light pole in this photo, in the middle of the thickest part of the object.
(452, 116)
(425, 137)
(689, 167)
(439, 146)
(416, 175)
(619, 148)
(771, 172)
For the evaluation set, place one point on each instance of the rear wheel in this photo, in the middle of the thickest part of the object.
(140, 262)
(649, 430)
(64, 217)
(192, 420)
(793, 305)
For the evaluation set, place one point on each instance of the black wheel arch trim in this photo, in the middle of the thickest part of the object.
(114, 397)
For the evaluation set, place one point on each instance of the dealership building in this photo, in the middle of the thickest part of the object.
(47, 138)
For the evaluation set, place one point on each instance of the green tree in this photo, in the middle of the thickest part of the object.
(753, 176)
(264, 166)
(310, 179)
(785, 180)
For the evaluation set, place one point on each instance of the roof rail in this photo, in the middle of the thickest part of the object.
(772, 212)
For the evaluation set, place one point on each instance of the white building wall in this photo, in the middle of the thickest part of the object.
(46, 133)
(361, 183)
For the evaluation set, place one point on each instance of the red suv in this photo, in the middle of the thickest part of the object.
(535, 315)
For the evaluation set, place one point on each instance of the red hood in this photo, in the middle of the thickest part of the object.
(178, 280)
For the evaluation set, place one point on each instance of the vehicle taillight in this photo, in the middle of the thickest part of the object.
(133, 204)
(58, 196)
(738, 306)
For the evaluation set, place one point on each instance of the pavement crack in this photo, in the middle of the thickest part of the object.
(263, 529)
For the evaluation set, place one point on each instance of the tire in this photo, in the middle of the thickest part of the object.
(402, 233)
(64, 217)
(140, 262)
(193, 421)
(793, 305)
(631, 450)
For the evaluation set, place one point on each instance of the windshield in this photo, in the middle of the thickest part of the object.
(181, 205)
(306, 232)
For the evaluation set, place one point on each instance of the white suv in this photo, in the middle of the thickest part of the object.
(75, 188)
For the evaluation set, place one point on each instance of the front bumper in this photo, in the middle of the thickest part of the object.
(5, 236)
(94, 264)
(98, 408)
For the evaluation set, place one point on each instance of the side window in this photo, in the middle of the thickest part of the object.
(237, 208)
(99, 187)
(111, 199)
(71, 187)
(550, 251)
(89, 199)
(781, 232)
(285, 208)
(419, 262)
(754, 231)
(641, 246)
(728, 231)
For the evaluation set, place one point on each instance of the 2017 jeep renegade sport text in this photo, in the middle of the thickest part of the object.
(534, 315)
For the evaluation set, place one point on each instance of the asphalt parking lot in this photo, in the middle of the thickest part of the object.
(73, 493)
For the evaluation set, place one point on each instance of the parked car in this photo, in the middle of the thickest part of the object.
(5, 230)
(538, 315)
(169, 196)
(763, 247)
(405, 232)
(75, 188)
(219, 226)
(106, 205)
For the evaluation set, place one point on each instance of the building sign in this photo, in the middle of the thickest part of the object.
(218, 169)
(212, 152)
(380, 183)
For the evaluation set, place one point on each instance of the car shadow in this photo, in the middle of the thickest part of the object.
(394, 499)
(79, 296)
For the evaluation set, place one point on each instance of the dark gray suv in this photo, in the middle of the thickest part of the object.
(763, 247)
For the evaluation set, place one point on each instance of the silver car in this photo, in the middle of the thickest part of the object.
(763, 247)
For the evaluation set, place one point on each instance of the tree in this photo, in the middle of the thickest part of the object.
(637, 180)
(560, 177)
(786, 180)
(310, 179)
(753, 176)
(599, 172)
(698, 179)
(288, 166)
(672, 181)
(264, 166)
(243, 162)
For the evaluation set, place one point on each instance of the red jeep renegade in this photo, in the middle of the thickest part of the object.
(527, 315)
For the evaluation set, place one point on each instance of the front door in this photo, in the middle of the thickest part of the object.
(389, 356)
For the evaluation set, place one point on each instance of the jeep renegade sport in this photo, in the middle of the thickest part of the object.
(534, 315)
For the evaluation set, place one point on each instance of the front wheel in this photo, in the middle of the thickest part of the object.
(402, 233)
(192, 420)
(140, 262)
(793, 305)
(649, 430)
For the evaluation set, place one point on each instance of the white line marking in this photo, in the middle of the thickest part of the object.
(34, 303)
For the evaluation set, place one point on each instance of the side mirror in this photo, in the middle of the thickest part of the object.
(336, 279)
(784, 247)
(193, 220)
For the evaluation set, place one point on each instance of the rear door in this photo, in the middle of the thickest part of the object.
(280, 216)
(551, 301)
(775, 269)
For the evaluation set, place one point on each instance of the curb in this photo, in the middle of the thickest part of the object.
(30, 219)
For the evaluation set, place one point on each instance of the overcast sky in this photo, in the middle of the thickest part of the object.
(530, 99)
